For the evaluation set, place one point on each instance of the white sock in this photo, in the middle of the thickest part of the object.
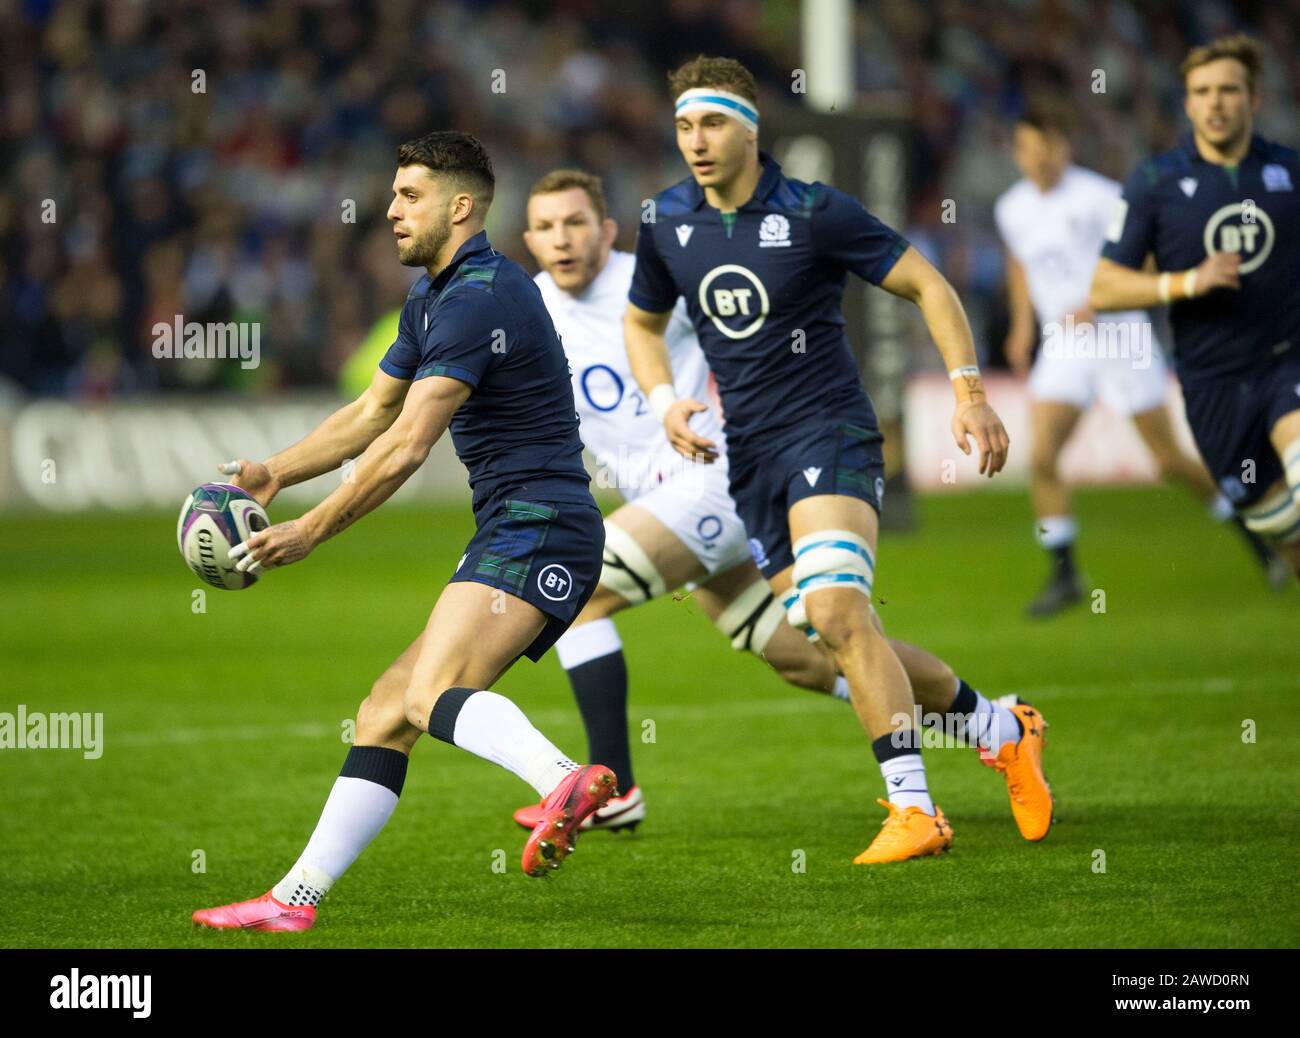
(988, 726)
(1055, 531)
(492, 727)
(1221, 509)
(841, 689)
(353, 815)
(579, 645)
(905, 782)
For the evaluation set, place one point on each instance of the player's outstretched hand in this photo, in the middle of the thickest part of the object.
(687, 442)
(976, 419)
(252, 476)
(277, 545)
(1219, 270)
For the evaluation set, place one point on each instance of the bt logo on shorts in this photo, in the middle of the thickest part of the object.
(554, 582)
(735, 300)
(1242, 227)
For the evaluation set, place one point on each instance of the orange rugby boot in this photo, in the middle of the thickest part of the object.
(1021, 764)
(908, 832)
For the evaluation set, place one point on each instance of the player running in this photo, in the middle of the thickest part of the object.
(679, 525)
(476, 350)
(761, 261)
(1221, 214)
(1053, 223)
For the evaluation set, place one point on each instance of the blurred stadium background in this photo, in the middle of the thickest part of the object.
(231, 162)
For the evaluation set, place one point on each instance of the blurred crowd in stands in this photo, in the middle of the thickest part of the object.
(231, 160)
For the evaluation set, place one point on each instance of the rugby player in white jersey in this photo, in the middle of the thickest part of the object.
(1052, 222)
(679, 524)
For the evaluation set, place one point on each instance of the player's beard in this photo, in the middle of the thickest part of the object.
(423, 251)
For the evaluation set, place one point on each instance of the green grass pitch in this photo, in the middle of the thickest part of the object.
(223, 733)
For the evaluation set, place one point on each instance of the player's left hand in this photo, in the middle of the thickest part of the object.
(976, 419)
(276, 546)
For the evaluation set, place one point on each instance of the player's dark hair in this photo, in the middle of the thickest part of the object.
(726, 73)
(564, 179)
(1048, 115)
(1239, 46)
(458, 156)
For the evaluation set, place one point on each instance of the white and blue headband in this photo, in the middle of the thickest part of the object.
(708, 99)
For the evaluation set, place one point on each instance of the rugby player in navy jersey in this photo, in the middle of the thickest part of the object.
(761, 261)
(476, 351)
(1220, 213)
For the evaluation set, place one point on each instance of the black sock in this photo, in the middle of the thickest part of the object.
(442, 719)
(964, 704)
(1062, 561)
(600, 687)
(896, 744)
(1262, 551)
(964, 701)
(379, 764)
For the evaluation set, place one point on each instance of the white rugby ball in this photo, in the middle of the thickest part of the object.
(214, 518)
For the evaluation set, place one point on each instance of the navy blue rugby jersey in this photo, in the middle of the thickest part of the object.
(482, 321)
(1182, 208)
(763, 288)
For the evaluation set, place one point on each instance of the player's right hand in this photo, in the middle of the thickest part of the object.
(1219, 270)
(684, 439)
(974, 418)
(252, 476)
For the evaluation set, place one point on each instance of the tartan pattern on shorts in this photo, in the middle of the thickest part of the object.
(516, 539)
(850, 477)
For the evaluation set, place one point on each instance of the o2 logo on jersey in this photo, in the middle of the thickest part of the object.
(603, 388)
(735, 300)
(606, 391)
(709, 529)
(1250, 233)
(554, 582)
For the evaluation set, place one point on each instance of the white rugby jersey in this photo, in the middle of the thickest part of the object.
(1057, 237)
(618, 426)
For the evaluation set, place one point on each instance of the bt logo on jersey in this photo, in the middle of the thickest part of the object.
(735, 300)
(1250, 233)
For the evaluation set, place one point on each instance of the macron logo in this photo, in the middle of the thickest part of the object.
(812, 475)
(1188, 184)
(684, 234)
(95, 992)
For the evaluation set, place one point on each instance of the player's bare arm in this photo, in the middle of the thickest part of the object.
(344, 434)
(1117, 287)
(389, 461)
(914, 279)
(1019, 346)
(647, 353)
